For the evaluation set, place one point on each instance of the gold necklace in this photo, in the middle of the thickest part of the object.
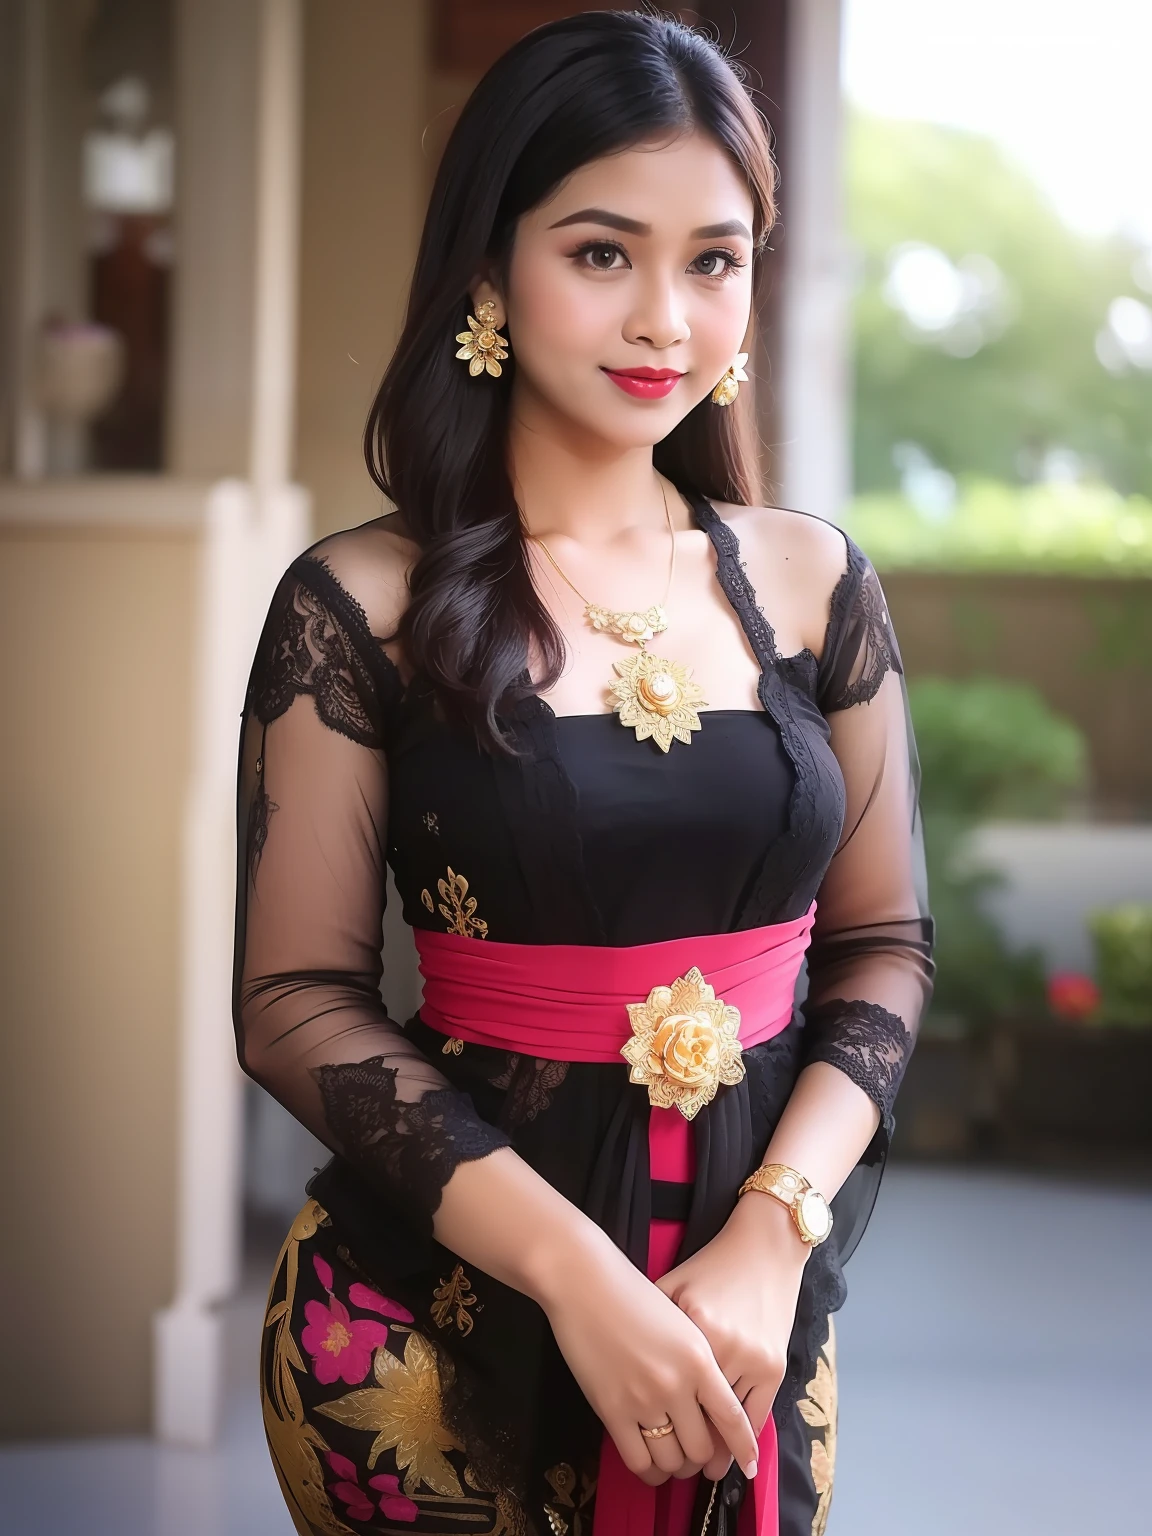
(656, 697)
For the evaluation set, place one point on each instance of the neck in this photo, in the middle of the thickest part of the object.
(573, 483)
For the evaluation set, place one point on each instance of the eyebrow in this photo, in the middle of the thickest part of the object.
(635, 227)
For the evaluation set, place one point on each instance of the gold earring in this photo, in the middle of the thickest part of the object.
(729, 386)
(484, 347)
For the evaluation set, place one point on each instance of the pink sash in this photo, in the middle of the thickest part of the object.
(567, 1002)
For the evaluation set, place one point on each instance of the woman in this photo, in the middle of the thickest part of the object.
(567, 1271)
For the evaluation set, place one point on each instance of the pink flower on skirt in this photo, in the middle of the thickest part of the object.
(393, 1505)
(348, 1490)
(341, 1348)
(372, 1301)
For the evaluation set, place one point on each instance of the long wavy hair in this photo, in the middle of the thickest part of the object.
(435, 441)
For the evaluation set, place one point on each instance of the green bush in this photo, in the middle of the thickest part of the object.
(1084, 529)
(986, 748)
(1122, 937)
(978, 978)
(991, 748)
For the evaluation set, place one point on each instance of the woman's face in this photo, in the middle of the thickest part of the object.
(641, 261)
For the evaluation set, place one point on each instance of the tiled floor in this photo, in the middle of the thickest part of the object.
(995, 1361)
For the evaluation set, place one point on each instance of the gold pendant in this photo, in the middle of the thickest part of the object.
(657, 698)
(638, 626)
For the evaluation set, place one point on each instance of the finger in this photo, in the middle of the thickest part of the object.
(719, 1458)
(693, 1432)
(716, 1466)
(667, 1453)
(725, 1410)
(633, 1448)
(758, 1405)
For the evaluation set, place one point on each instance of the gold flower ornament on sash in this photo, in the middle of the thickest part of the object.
(685, 1043)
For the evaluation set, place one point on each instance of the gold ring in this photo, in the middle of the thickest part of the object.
(659, 1432)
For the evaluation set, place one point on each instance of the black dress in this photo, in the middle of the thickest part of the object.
(403, 1389)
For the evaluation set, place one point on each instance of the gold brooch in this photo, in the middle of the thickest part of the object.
(685, 1043)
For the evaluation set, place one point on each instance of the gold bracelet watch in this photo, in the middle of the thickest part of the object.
(810, 1211)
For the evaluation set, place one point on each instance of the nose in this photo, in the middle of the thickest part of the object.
(658, 316)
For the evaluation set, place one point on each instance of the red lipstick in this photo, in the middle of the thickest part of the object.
(645, 383)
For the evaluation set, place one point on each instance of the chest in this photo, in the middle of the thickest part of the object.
(590, 836)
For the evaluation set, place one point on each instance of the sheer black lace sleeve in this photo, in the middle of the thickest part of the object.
(870, 966)
(311, 1025)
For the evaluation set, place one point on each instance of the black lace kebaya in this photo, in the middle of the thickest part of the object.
(346, 770)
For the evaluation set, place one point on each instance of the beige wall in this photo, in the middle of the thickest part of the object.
(363, 204)
(92, 779)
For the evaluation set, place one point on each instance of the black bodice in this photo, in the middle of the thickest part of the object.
(585, 837)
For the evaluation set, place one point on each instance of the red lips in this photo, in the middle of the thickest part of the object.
(645, 383)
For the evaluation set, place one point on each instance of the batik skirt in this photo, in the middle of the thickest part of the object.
(353, 1389)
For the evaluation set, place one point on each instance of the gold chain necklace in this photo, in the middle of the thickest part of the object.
(657, 698)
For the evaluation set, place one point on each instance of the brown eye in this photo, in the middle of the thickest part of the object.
(598, 255)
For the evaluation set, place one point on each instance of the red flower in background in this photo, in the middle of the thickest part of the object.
(1072, 995)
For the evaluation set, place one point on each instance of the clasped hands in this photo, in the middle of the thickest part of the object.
(704, 1347)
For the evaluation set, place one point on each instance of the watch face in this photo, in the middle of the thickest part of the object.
(815, 1215)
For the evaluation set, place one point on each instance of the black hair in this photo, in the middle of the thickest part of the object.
(567, 93)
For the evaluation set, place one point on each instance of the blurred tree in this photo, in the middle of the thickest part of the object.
(988, 334)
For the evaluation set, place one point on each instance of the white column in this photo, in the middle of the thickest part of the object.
(189, 1342)
(278, 138)
(30, 428)
(814, 381)
(252, 529)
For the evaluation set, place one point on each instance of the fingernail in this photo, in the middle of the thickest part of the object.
(750, 1471)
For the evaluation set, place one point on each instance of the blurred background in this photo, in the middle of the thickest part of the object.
(208, 214)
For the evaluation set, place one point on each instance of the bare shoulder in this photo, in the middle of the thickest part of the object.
(794, 560)
(816, 549)
(371, 562)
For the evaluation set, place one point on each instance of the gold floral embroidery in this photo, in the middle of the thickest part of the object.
(296, 1445)
(573, 1513)
(404, 1410)
(511, 1519)
(453, 1298)
(819, 1410)
(453, 1046)
(456, 907)
(412, 1390)
(431, 822)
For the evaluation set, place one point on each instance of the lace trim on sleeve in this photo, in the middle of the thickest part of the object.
(317, 640)
(861, 645)
(865, 1041)
(409, 1148)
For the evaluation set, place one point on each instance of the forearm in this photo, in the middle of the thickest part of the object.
(498, 1213)
(825, 1128)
